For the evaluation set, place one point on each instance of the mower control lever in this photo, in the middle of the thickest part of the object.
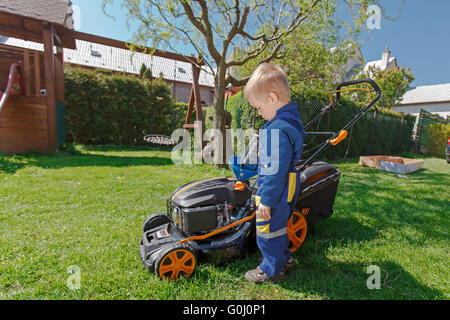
(352, 82)
(341, 136)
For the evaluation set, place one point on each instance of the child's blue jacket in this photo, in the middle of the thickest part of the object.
(280, 146)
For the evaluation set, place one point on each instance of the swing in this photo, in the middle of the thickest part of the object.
(160, 139)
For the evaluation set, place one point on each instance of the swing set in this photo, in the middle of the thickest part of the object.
(194, 101)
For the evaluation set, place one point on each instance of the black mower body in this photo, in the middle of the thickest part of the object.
(193, 209)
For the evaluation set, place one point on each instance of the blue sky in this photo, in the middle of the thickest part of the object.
(418, 38)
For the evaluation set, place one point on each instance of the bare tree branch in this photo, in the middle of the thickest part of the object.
(295, 22)
(234, 28)
(199, 51)
(235, 82)
(206, 29)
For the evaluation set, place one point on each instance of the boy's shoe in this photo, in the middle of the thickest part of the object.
(289, 266)
(258, 276)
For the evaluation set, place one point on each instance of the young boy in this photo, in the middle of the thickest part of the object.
(280, 147)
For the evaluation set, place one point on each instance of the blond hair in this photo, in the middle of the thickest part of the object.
(268, 78)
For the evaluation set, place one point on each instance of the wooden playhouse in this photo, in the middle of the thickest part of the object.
(31, 81)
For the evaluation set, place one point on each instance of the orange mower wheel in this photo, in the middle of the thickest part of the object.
(175, 261)
(296, 230)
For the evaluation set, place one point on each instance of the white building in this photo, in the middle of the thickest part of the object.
(432, 98)
(356, 65)
(386, 62)
(353, 65)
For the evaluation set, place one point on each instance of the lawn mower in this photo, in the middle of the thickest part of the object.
(215, 217)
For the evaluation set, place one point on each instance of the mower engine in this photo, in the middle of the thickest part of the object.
(196, 210)
(204, 205)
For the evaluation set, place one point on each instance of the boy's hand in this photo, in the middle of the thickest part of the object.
(264, 212)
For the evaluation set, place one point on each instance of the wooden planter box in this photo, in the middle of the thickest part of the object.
(392, 164)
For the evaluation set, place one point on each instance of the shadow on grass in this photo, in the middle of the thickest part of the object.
(12, 163)
(428, 176)
(93, 160)
(416, 216)
(423, 210)
(316, 274)
(10, 166)
(422, 176)
(116, 148)
(340, 280)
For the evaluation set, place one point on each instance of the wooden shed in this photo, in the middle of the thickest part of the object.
(32, 107)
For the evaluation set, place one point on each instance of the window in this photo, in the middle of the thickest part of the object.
(96, 54)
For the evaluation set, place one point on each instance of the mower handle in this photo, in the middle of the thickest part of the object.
(338, 96)
(352, 82)
(342, 134)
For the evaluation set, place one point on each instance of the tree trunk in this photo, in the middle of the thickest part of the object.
(219, 115)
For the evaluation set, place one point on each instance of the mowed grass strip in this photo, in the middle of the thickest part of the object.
(86, 209)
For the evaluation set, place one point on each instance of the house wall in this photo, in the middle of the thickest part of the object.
(442, 109)
(182, 92)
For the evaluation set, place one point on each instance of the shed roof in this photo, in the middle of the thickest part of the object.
(427, 94)
(55, 11)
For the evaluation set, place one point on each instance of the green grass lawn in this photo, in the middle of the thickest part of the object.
(87, 209)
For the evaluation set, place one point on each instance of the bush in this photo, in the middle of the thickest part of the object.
(103, 109)
(435, 139)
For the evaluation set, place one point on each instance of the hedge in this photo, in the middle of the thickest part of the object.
(384, 132)
(178, 115)
(103, 109)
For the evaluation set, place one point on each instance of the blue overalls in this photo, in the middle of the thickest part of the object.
(280, 147)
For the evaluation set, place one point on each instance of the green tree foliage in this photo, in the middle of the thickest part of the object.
(393, 83)
(320, 52)
(145, 73)
(436, 139)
